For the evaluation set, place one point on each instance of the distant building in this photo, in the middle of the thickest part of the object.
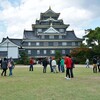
(48, 35)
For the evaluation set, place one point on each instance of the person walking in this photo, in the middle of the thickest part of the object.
(11, 66)
(45, 63)
(87, 63)
(31, 64)
(68, 63)
(4, 67)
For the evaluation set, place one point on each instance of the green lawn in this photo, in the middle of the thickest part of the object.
(25, 85)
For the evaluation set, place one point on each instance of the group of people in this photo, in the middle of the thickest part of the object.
(96, 64)
(61, 62)
(53, 65)
(7, 64)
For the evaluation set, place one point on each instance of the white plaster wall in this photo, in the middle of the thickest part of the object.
(3, 48)
(13, 52)
(11, 48)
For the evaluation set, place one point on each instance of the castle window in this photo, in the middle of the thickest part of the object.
(39, 30)
(59, 43)
(45, 51)
(60, 36)
(61, 30)
(73, 43)
(52, 51)
(50, 43)
(29, 43)
(38, 51)
(43, 37)
(64, 43)
(69, 43)
(37, 43)
(29, 51)
(76, 43)
(51, 37)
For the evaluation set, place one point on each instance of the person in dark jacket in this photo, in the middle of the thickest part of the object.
(98, 63)
(94, 65)
(45, 63)
(4, 67)
(0, 63)
(58, 63)
(72, 66)
(51, 64)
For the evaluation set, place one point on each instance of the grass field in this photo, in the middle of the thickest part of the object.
(25, 85)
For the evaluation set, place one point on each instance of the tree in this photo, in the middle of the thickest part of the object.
(93, 40)
(58, 55)
(24, 58)
(81, 53)
(93, 37)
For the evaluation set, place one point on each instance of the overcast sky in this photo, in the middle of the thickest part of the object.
(18, 15)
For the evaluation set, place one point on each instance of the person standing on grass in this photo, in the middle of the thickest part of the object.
(94, 65)
(45, 63)
(58, 63)
(11, 66)
(31, 64)
(62, 65)
(98, 63)
(87, 63)
(4, 67)
(68, 63)
(0, 63)
(72, 66)
(54, 64)
(50, 62)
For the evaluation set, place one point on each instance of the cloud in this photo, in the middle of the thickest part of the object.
(18, 15)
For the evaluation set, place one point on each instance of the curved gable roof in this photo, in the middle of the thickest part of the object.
(71, 36)
(15, 41)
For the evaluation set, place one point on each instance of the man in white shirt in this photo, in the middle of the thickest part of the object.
(54, 65)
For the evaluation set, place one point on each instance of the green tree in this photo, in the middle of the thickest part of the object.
(58, 55)
(93, 36)
(93, 40)
(24, 58)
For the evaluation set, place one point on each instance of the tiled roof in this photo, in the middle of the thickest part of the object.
(15, 41)
(29, 35)
(71, 36)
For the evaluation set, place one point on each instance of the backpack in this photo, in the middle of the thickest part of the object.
(9, 64)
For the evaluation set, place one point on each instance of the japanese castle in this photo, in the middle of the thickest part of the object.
(48, 35)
